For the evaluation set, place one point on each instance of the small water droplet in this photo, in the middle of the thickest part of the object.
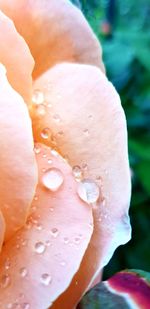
(46, 279)
(5, 281)
(39, 226)
(77, 172)
(54, 153)
(25, 306)
(38, 97)
(86, 132)
(62, 263)
(45, 133)
(7, 264)
(60, 133)
(41, 110)
(51, 209)
(44, 155)
(56, 117)
(23, 272)
(48, 243)
(66, 240)
(53, 179)
(49, 161)
(84, 166)
(88, 191)
(37, 149)
(54, 232)
(39, 247)
(77, 240)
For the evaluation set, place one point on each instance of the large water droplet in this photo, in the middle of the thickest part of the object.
(5, 281)
(38, 97)
(53, 179)
(77, 172)
(88, 191)
(39, 247)
(23, 272)
(46, 279)
(45, 133)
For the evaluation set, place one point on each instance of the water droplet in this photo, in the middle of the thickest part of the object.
(54, 232)
(77, 240)
(54, 153)
(48, 243)
(66, 240)
(39, 247)
(56, 117)
(84, 166)
(88, 191)
(41, 110)
(39, 226)
(7, 264)
(49, 161)
(25, 306)
(77, 172)
(86, 132)
(45, 133)
(46, 279)
(44, 155)
(60, 133)
(23, 272)
(62, 263)
(53, 179)
(51, 209)
(38, 97)
(37, 149)
(5, 281)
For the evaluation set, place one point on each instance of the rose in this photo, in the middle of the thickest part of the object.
(54, 247)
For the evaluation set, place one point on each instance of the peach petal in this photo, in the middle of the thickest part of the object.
(18, 174)
(62, 224)
(16, 57)
(55, 31)
(94, 136)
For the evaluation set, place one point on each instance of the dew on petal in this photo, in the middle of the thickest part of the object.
(53, 179)
(37, 149)
(46, 279)
(56, 118)
(88, 191)
(66, 240)
(38, 97)
(62, 263)
(54, 232)
(77, 172)
(49, 161)
(25, 306)
(7, 264)
(45, 133)
(39, 247)
(23, 272)
(41, 110)
(5, 281)
(86, 132)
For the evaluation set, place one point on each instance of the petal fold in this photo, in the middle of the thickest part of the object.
(18, 172)
(55, 31)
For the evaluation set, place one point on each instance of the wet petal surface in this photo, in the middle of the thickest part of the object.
(47, 252)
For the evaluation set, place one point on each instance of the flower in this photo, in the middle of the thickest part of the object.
(64, 206)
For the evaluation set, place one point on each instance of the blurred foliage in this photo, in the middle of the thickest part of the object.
(126, 54)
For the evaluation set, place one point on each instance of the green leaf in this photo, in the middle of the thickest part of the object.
(140, 148)
(143, 172)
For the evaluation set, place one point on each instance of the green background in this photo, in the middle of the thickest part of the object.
(126, 54)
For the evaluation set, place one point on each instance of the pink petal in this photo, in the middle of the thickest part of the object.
(16, 57)
(55, 31)
(47, 252)
(18, 174)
